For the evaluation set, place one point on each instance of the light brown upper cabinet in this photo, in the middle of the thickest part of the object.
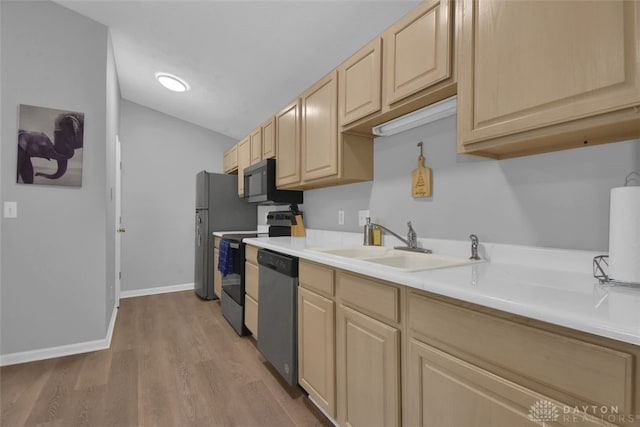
(230, 159)
(269, 139)
(413, 67)
(244, 160)
(328, 157)
(359, 83)
(256, 145)
(320, 129)
(537, 76)
(287, 124)
(417, 50)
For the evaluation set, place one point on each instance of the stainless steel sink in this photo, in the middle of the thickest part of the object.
(396, 259)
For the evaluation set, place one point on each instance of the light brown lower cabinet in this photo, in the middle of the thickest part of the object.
(251, 315)
(412, 358)
(316, 348)
(368, 371)
(446, 391)
(470, 365)
(251, 295)
(368, 341)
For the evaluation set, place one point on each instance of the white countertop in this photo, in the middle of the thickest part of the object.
(552, 285)
(221, 233)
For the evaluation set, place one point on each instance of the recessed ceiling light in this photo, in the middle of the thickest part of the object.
(172, 82)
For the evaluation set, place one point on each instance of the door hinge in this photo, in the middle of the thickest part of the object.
(120, 275)
(120, 165)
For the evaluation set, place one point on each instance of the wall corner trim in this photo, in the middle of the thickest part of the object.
(63, 350)
(158, 290)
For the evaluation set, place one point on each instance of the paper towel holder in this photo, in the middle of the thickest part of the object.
(600, 264)
(631, 177)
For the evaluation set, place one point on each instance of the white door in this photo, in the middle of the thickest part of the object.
(119, 227)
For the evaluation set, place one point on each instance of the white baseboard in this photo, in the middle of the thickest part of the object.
(87, 346)
(159, 290)
(63, 350)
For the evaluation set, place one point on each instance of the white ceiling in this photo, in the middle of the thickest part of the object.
(244, 60)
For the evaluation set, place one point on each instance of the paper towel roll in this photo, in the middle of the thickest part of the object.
(624, 235)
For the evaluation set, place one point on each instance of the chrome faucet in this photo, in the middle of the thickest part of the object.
(412, 237)
(411, 241)
(474, 247)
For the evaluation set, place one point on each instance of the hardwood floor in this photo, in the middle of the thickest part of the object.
(173, 361)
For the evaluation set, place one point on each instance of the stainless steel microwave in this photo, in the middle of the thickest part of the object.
(260, 185)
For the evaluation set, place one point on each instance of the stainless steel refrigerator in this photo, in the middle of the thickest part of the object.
(218, 208)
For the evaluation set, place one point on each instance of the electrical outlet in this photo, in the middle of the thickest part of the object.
(340, 217)
(362, 217)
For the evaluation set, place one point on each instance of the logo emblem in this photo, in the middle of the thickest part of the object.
(544, 411)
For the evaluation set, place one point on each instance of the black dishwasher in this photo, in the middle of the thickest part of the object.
(277, 312)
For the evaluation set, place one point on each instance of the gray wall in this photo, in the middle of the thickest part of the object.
(553, 200)
(113, 124)
(53, 254)
(161, 156)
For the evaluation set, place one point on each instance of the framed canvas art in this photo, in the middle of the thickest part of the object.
(50, 144)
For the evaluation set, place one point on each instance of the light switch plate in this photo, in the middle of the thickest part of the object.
(10, 209)
(362, 217)
(340, 217)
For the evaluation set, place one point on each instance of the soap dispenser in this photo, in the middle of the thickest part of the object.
(368, 233)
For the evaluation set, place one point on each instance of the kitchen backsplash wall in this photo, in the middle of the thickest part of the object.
(551, 200)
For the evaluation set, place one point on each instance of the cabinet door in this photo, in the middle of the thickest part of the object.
(525, 65)
(251, 274)
(225, 162)
(368, 371)
(359, 83)
(269, 139)
(445, 391)
(251, 315)
(217, 276)
(316, 348)
(320, 129)
(244, 160)
(230, 159)
(417, 50)
(256, 145)
(288, 145)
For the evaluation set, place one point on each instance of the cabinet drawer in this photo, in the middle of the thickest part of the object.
(317, 278)
(251, 315)
(251, 254)
(579, 372)
(454, 387)
(251, 280)
(369, 296)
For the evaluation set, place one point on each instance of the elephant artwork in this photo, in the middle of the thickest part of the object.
(36, 151)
